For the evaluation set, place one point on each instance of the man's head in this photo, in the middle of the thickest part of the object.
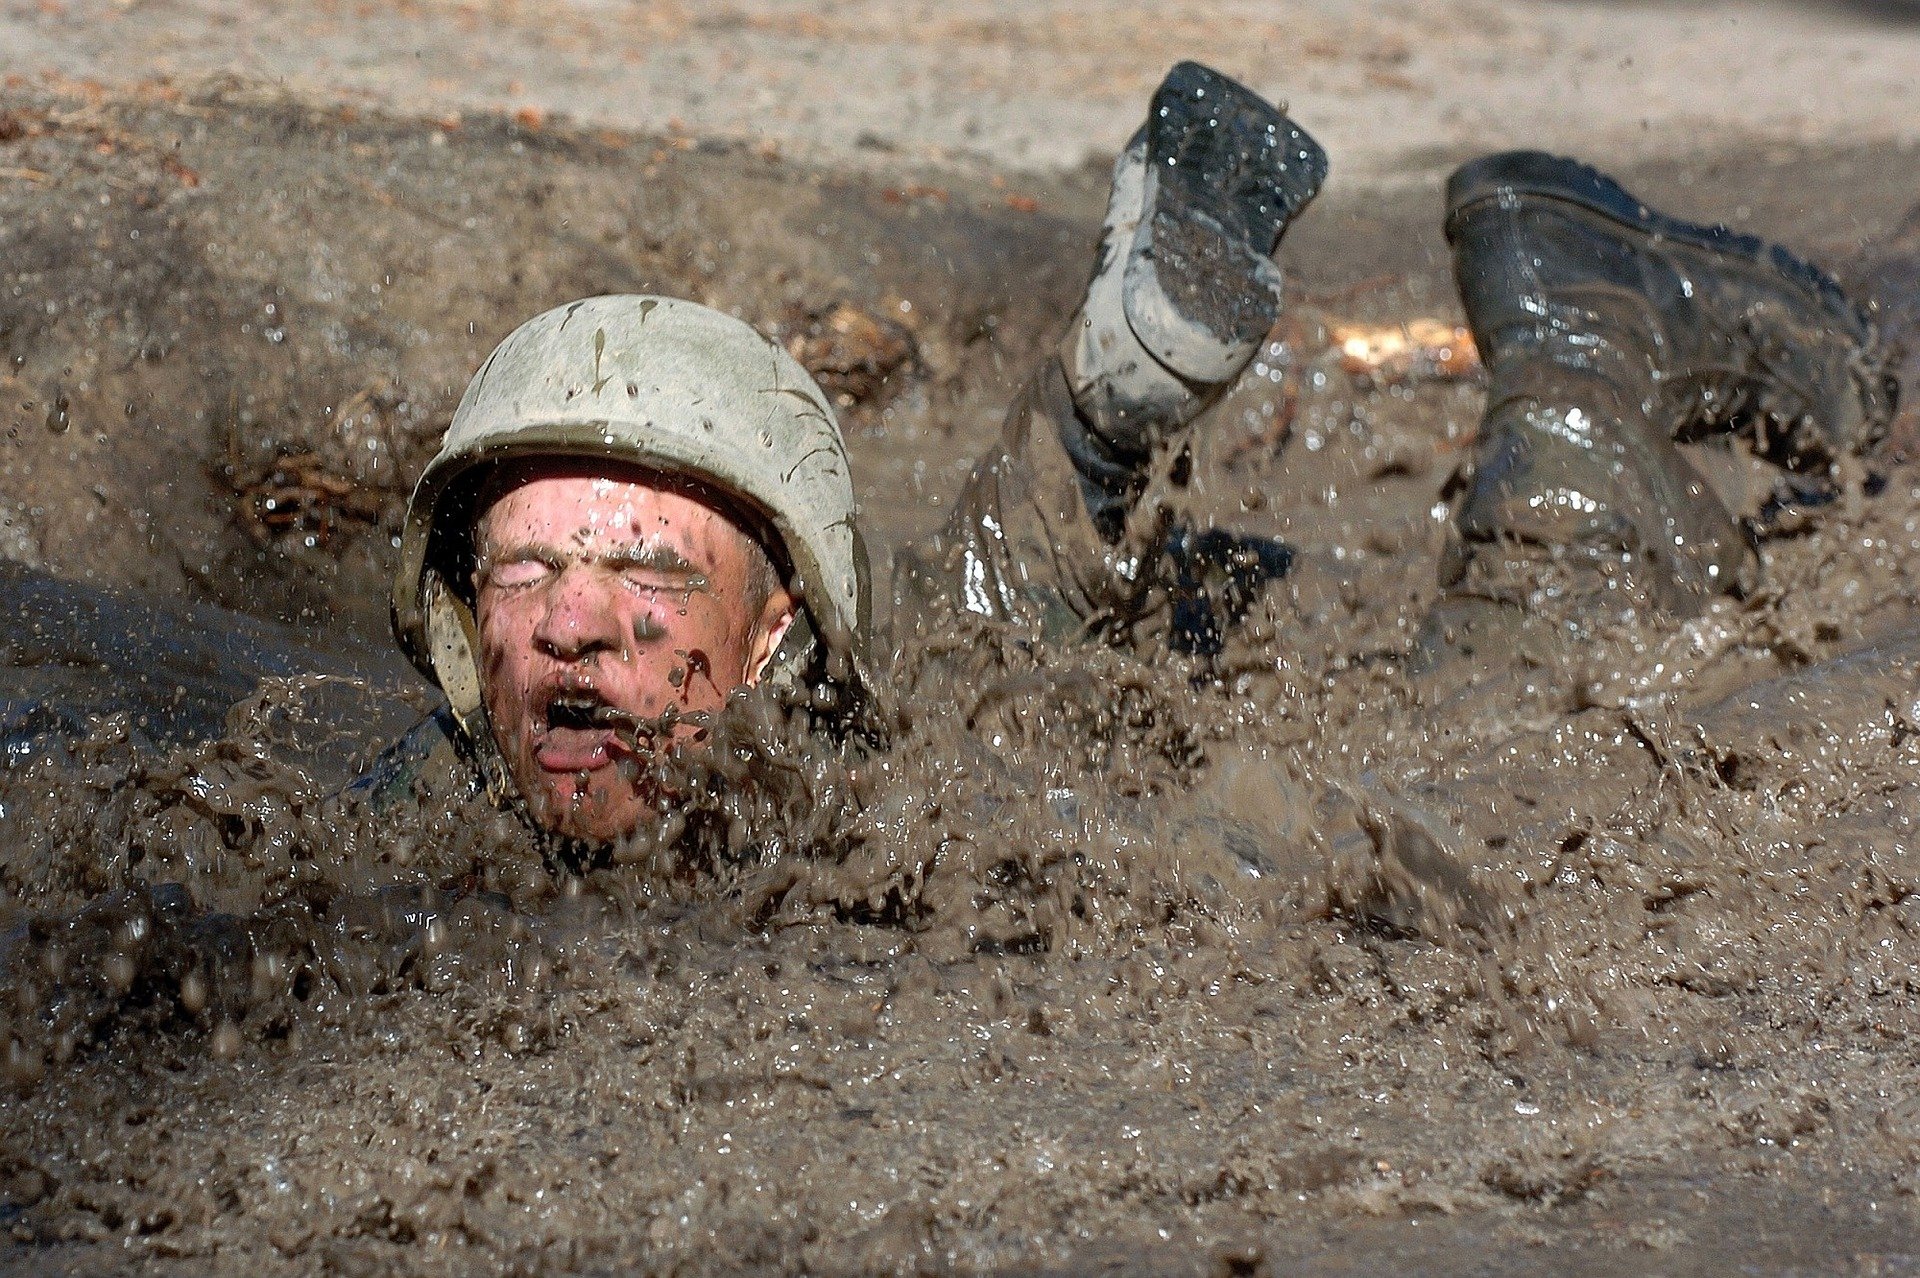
(607, 596)
(640, 504)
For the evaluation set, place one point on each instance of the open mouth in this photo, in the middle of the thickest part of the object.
(583, 712)
(581, 733)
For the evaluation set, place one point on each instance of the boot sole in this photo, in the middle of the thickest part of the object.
(1218, 147)
(1227, 173)
(1539, 175)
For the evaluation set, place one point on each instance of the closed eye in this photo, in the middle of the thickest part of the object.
(517, 574)
(640, 577)
(656, 568)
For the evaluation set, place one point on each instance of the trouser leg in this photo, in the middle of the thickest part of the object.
(1049, 534)
(1050, 531)
(1025, 542)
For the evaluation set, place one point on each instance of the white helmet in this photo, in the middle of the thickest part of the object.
(666, 384)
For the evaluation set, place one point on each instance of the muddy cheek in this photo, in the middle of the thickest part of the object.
(506, 685)
(699, 669)
(495, 658)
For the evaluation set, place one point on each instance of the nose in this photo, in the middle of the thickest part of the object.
(580, 617)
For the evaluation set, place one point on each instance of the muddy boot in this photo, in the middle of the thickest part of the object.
(1885, 277)
(1609, 332)
(1184, 287)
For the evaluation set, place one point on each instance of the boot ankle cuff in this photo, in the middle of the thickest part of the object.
(1109, 476)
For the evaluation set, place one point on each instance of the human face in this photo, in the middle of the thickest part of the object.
(601, 588)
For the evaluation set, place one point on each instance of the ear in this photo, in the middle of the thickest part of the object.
(768, 630)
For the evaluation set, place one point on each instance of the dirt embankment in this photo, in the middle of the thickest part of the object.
(233, 327)
(1038, 86)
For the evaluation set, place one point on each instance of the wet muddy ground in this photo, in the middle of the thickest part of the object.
(1112, 961)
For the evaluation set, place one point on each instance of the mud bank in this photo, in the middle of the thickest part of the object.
(1038, 85)
(1156, 965)
(244, 315)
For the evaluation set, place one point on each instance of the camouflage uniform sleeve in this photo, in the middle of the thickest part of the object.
(427, 755)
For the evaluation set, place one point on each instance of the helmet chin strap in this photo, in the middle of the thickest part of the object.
(452, 640)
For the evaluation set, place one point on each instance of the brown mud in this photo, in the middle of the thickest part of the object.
(1108, 961)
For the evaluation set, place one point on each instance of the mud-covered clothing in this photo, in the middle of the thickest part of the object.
(1048, 534)
(1022, 544)
(429, 753)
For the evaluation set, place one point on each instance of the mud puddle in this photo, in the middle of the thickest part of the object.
(1157, 965)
